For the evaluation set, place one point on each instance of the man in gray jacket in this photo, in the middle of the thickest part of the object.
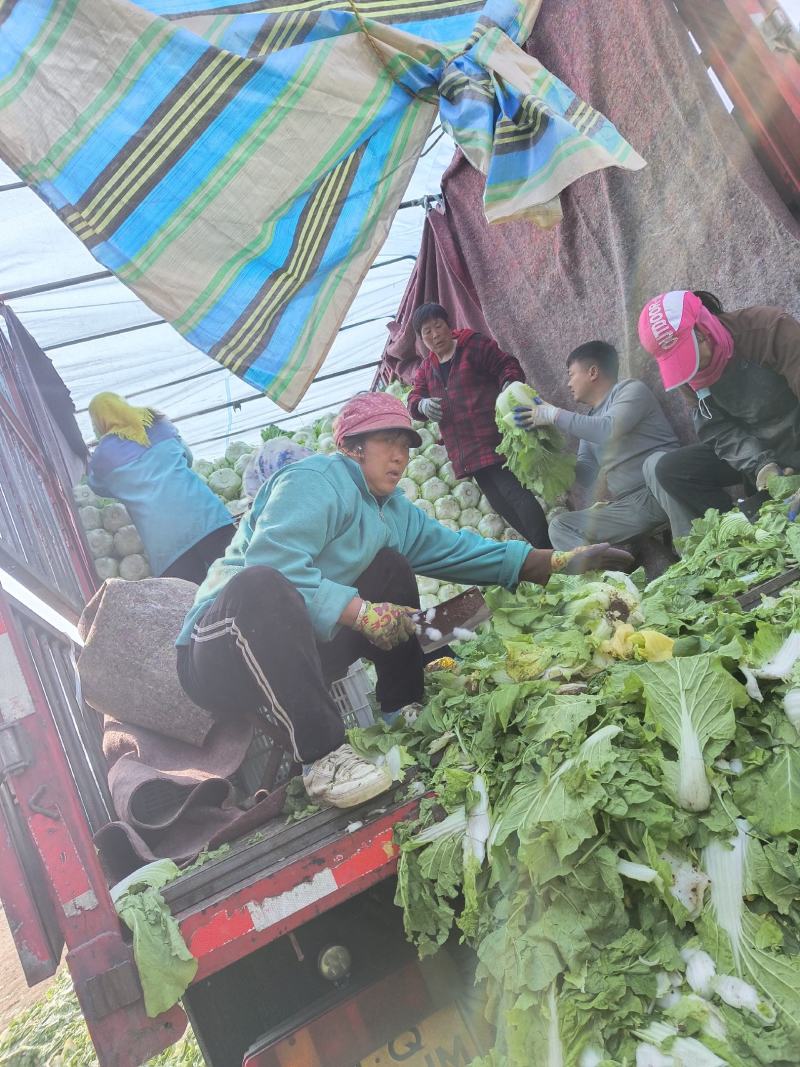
(622, 429)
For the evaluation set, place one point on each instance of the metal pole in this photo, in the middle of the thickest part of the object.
(49, 287)
(260, 396)
(255, 425)
(215, 370)
(109, 333)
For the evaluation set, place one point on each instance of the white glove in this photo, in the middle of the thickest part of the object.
(536, 416)
(765, 474)
(431, 408)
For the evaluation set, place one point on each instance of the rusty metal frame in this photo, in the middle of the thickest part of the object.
(80, 728)
(41, 541)
(53, 834)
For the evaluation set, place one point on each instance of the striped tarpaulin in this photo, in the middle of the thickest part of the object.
(238, 164)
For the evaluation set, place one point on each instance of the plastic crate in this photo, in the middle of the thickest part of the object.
(351, 696)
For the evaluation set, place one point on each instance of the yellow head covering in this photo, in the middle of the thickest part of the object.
(111, 414)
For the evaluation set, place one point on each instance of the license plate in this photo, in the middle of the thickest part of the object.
(441, 1040)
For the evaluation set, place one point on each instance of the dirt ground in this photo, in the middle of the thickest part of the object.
(14, 992)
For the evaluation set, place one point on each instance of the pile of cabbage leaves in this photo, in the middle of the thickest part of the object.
(612, 812)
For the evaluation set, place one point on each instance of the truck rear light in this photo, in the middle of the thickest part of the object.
(334, 963)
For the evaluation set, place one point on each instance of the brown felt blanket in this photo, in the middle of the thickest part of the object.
(702, 214)
(169, 760)
(127, 663)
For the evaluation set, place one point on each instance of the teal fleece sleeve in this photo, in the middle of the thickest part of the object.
(298, 520)
(461, 557)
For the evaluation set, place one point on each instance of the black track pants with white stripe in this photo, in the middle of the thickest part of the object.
(254, 650)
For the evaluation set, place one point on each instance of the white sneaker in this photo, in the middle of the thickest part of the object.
(343, 779)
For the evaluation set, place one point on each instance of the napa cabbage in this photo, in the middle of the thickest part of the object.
(420, 469)
(237, 449)
(690, 703)
(409, 487)
(742, 941)
(446, 507)
(448, 475)
(539, 459)
(226, 483)
(133, 568)
(491, 527)
(437, 454)
(433, 489)
(467, 494)
(203, 467)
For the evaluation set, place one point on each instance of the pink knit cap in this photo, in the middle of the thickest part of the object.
(368, 412)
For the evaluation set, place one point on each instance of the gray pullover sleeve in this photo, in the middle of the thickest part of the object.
(632, 403)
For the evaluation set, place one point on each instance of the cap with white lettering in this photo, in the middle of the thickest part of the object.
(666, 330)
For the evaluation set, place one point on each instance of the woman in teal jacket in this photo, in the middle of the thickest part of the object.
(321, 572)
(141, 460)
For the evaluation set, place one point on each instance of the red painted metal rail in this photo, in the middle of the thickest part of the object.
(285, 894)
(53, 887)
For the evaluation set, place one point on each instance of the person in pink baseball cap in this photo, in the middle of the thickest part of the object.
(320, 573)
(687, 341)
(742, 371)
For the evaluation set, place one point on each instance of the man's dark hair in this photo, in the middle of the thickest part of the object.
(426, 313)
(603, 355)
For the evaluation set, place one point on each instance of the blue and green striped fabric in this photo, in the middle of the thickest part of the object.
(238, 164)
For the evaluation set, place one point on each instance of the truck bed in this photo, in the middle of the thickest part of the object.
(275, 879)
(753, 596)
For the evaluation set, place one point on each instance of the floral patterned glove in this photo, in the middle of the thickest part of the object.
(384, 625)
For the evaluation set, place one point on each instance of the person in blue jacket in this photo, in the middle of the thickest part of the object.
(322, 572)
(141, 461)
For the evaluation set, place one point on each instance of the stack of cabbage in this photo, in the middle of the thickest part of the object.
(225, 476)
(112, 538)
(113, 541)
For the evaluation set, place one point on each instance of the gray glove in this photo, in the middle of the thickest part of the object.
(765, 473)
(591, 558)
(431, 408)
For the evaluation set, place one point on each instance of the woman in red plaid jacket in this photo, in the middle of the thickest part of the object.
(457, 386)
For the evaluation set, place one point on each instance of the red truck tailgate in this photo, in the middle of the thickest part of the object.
(268, 887)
